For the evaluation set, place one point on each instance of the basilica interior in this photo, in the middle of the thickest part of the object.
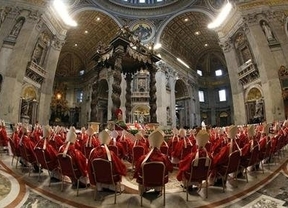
(164, 62)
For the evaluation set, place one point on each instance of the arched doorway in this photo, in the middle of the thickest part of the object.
(140, 114)
(254, 104)
(182, 104)
(28, 105)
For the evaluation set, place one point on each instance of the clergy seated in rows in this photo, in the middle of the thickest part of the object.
(49, 151)
(57, 137)
(202, 139)
(183, 147)
(87, 139)
(246, 150)
(77, 156)
(222, 157)
(264, 138)
(3, 135)
(102, 151)
(156, 139)
(118, 141)
(28, 144)
(119, 122)
(140, 140)
(173, 141)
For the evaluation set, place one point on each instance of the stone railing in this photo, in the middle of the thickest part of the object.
(247, 73)
(35, 72)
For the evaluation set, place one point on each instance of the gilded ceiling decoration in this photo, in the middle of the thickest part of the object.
(94, 30)
(188, 37)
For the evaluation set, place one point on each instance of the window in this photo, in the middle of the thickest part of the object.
(222, 95)
(141, 1)
(81, 72)
(201, 96)
(199, 72)
(218, 72)
(79, 96)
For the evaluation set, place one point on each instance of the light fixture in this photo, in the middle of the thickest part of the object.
(157, 46)
(182, 62)
(58, 96)
(63, 13)
(221, 17)
(197, 33)
(86, 31)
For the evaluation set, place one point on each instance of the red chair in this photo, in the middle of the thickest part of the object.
(102, 173)
(43, 162)
(137, 152)
(265, 154)
(198, 173)
(254, 158)
(67, 168)
(231, 167)
(28, 157)
(153, 176)
(15, 152)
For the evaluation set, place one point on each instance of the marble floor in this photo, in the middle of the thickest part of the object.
(268, 190)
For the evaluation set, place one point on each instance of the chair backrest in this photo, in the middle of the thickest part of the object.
(268, 149)
(67, 167)
(26, 155)
(87, 151)
(14, 150)
(114, 149)
(40, 157)
(137, 152)
(254, 155)
(199, 169)
(153, 174)
(164, 150)
(102, 171)
(234, 161)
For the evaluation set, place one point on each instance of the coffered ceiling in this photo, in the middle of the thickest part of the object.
(185, 34)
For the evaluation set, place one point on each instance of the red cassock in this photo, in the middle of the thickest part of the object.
(222, 157)
(122, 151)
(172, 144)
(156, 155)
(16, 140)
(183, 148)
(56, 141)
(100, 152)
(139, 142)
(246, 150)
(50, 153)
(77, 156)
(185, 164)
(3, 137)
(263, 142)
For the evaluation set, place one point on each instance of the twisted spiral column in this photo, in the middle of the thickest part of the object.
(152, 94)
(116, 85)
(128, 104)
(94, 97)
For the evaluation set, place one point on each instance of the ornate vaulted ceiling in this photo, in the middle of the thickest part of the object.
(185, 35)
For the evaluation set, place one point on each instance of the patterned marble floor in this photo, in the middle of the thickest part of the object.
(268, 190)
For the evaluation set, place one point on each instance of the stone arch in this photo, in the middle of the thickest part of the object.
(140, 113)
(254, 104)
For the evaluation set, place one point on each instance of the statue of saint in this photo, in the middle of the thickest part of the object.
(267, 30)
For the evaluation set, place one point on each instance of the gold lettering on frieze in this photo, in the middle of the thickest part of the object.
(250, 5)
(37, 2)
